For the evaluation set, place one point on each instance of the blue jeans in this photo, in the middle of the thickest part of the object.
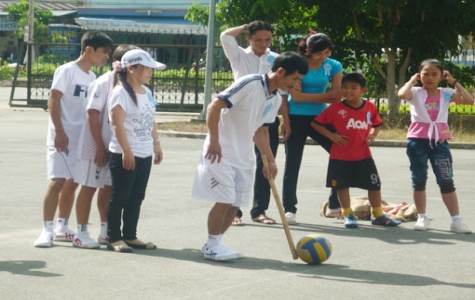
(128, 192)
(420, 151)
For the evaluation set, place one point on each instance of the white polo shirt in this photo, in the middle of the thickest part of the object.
(244, 61)
(249, 106)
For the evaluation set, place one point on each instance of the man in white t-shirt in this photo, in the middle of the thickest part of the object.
(236, 118)
(256, 59)
(66, 105)
(92, 169)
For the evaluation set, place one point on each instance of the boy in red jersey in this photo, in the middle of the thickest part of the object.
(357, 123)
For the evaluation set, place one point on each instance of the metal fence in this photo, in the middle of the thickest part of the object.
(180, 87)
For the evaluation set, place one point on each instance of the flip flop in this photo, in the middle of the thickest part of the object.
(264, 220)
(237, 222)
(138, 244)
(120, 247)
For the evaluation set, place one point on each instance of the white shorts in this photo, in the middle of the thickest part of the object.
(60, 164)
(222, 183)
(90, 175)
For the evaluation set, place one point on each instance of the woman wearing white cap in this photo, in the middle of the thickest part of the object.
(134, 142)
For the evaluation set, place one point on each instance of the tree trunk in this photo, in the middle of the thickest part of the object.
(393, 101)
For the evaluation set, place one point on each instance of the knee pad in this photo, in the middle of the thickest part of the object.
(446, 188)
(419, 186)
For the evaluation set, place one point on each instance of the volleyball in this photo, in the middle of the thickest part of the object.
(314, 249)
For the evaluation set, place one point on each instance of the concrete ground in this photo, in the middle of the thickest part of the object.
(369, 262)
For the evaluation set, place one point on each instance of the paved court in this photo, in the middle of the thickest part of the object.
(369, 262)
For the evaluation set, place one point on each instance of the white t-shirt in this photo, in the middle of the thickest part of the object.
(98, 94)
(249, 107)
(73, 82)
(138, 122)
(245, 61)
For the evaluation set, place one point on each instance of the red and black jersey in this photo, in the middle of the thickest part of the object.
(355, 123)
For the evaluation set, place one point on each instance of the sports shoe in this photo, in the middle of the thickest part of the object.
(385, 221)
(333, 213)
(64, 236)
(422, 224)
(291, 218)
(102, 240)
(85, 241)
(219, 253)
(350, 221)
(45, 240)
(459, 227)
(238, 255)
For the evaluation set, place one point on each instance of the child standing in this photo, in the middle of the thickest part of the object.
(134, 141)
(428, 135)
(225, 171)
(92, 170)
(67, 106)
(357, 123)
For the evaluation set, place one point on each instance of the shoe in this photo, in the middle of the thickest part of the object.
(102, 240)
(237, 221)
(45, 240)
(385, 221)
(85, 242)
(64, 236)
(264, 219)
(238, 255)
(119, 246)
(459, 227)
(333, 213)
(138, 244)
(219, 253)
(291, 218)
(350, 221)
(422, 224)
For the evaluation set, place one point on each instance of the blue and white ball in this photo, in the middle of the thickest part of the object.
(314, 249)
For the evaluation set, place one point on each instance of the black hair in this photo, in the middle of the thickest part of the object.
(95, 39)
(259, 25)
(122, 76)
(312, 43)
(354, 77)
(431, 61)
(291, 62)
(117, 56)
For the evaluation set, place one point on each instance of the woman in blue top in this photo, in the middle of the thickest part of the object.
(306, 104)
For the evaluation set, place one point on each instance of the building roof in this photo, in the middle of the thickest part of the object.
(44, 5)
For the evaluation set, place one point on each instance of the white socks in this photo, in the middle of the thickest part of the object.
(48, 226)
(62, 224)
(103, 229)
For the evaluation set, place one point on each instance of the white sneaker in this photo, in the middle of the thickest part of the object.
(219, 253)
(237, 254)
(44, 240)
(85, 241)
(291, 218)
(422, 224)
(459, 227)
(334, 213)
(102, 240)
(64, 236)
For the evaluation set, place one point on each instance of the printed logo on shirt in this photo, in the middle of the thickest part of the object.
(267, 110)
(80, 91)
(368, 118)
(271, 59)
(356, 124)
(447, 96)
(343, 113)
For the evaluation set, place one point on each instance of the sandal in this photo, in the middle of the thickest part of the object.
(264, 220)
(119, 246)
(237, 222)
(138, 244)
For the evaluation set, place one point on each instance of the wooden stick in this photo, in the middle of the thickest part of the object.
(281, 209)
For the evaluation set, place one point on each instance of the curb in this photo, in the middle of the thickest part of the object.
(380, 143)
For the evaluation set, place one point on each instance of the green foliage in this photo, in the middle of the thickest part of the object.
(6, 72)
(18, 12)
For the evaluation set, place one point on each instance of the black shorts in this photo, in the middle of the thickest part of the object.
(361, 174)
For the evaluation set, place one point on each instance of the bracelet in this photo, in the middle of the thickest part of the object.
(455, 82)
(156, 142)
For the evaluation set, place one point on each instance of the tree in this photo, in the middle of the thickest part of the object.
(19, 13)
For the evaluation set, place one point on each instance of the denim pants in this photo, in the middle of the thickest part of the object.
(128, 192)
(294, 146)
(261, 184)
(420, 151)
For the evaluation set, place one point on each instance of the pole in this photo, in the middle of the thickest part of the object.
(31, 20)
(209, 58)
